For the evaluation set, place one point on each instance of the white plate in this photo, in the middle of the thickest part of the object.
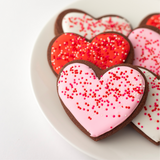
(126, 144)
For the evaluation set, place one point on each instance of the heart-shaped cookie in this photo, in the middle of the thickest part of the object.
(101, 102)
(147, 122)
(104, 50)
(80, 22)
(146, 44)
(152, 20)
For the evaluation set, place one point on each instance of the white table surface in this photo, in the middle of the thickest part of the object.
(25, 134)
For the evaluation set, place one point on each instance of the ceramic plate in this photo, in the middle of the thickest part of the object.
(127, 144)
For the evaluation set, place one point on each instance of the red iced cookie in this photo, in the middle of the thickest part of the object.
(152, 20)
(104, 50)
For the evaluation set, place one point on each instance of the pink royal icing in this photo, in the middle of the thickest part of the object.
(146, 45)
(100, 105)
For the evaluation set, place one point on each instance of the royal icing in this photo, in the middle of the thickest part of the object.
(100, 105)
(146, 45)
(148, 120)
(88, 27)
(154, 21)
(105, 50)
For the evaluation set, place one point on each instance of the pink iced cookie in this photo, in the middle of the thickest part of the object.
(101, 102)
(146, 43)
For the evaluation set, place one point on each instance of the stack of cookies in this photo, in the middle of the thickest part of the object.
(108, 73)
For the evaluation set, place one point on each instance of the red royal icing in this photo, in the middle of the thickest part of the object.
(154, 21)
(105, 50)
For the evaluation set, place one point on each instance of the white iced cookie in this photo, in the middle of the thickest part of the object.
(148, 120)
(81, 23)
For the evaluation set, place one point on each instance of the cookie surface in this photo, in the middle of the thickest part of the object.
(146, 44)
(152, 20)
(80, 22)
(104, 50)
(147, 122)
(101, 102)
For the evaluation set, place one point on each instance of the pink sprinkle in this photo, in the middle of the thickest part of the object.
(141, 126)
(157, 128)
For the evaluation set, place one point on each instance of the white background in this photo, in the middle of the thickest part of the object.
(25, 134)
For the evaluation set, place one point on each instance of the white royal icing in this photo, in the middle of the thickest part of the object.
(88, 27)
(148, 120)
